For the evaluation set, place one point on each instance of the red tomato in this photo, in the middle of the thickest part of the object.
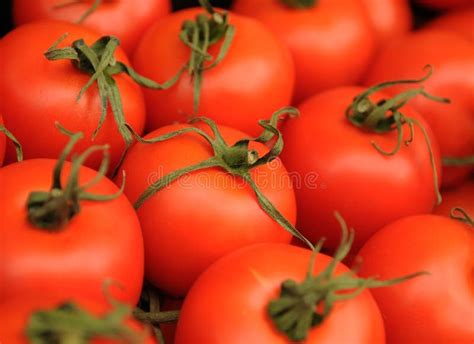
(228, 303)
(339, 170)
(169, 329)
(205, 214)
(126, 20)
(35, 90)
(390, 18)
(254, 79)
(332, 43)
(15, 314)
(453, 78)
(458, 20)
(462, 197)
(435, 308)
(2, 143)
(103, 241)
(443, 4)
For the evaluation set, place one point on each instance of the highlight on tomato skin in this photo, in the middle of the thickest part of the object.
(124, 19)
(435, 307)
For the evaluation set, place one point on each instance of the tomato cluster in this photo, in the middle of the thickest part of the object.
(190, 176)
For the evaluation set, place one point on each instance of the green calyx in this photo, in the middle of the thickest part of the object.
(385, 116)
(99, 62)
(7, 133)
(69, 323)
(302, 306)
(459, 162)
(200, 34)
(458, 213)
(299, 4)
(95, 5)
(53, 209)
(237, 160)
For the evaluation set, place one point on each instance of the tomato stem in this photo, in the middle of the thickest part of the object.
(237, 160)
(86, 14)
(463, 217)
(364, 114)
(200, 34)
(18, 149)
(99, 62)
(299, 3)
(302, 306)
(464, 161)
(156, 318)
(53, 209)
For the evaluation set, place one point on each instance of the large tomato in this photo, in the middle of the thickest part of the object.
(255, 78)
(36, 92)
(452, 124)
(459, 197)
(435, 308)
(2, 143)
(204, 214)
(338, 169)
(458, 20)
(228, 303)
(125, 19)
(331, 43)
(390, 18)
(103, 241)
(16, 313)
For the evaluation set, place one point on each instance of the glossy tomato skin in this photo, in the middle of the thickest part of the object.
(125, 19)
(203, 215)
(434, 308)
(339, 170)
(390, 18)
(103, 241)
(444, 4)
(453, 77)
(459, 20)
(216, 311)
(461, 196)
(255, 78)
(36, 92)
(15, 314)
(311, 34)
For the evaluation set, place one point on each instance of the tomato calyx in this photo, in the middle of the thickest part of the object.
(95, 5)
(156, 318)
(237, 160)
(464, 161)
(302, 306)
(458, 213)
(99, 62)
(18, 149)
(53, 209)
(385, 116)
(200, 34)
(69, 323)
(299, 4)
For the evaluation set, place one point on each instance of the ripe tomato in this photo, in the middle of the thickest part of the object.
(339, 170)
(452, 124)
(390, 18)
(205, 214)
(255, 78)
(435, 308)
(228, 303)
(458, 20)
(15, 315)
(462, 197)
(331, 43)
(126, 20)
(103, 241)
(444, 4)
(35, 90)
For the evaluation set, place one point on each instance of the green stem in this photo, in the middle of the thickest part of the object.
(52, 210)
(465, 161)
(300, 4)
(8, 134)
(86, 14)
(156, 318)
(463, 216)
(302, 306)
